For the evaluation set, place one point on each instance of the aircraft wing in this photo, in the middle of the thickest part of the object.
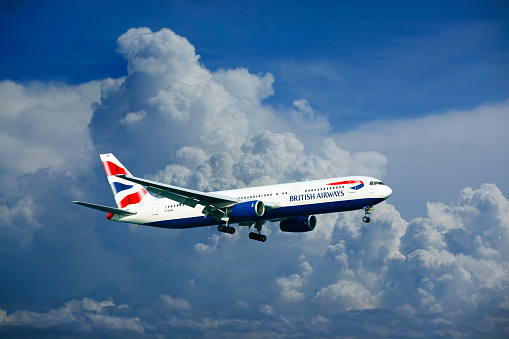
(213, 202)
(104, 208)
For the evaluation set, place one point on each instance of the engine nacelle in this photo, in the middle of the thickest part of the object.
(246, 210)
(298, 224)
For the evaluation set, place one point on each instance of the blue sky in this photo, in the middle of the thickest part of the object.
(222, 95)
(369, 53)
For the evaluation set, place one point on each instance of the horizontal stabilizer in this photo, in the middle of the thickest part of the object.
(104, 208)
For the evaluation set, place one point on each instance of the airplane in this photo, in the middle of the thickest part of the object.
(293, 205)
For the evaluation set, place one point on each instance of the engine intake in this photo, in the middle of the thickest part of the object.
(246, 210)
(298, 224)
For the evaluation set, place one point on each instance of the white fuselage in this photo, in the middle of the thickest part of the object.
(281, 201)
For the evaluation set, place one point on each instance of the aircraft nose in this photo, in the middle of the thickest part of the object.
(388, 192)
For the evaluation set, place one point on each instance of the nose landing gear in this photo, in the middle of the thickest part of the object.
(367, 211)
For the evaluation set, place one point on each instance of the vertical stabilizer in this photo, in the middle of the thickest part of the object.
(126, 193)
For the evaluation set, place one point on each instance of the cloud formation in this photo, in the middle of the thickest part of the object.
(452, 149)
(211, 121)
(173, 120)
(82, 316)
(428, 274)
(42, 125)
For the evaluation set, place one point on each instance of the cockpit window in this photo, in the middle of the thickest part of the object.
(380, 183)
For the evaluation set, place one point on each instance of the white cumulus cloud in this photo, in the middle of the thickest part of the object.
(213, 123)
(42, 125)
(441, 272)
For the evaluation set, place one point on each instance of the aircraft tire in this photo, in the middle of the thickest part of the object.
(366, 219)
(257, 237)
(226, 229)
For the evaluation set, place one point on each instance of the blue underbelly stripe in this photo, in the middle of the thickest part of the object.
(282, 212)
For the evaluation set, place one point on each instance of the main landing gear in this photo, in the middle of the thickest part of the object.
(226, 229)
(257, 236)
(253, 235)
(367, 211)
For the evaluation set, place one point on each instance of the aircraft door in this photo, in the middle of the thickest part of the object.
(155, 209)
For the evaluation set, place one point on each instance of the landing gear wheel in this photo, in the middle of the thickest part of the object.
(226, 229)
(367, 211)
(257, 236)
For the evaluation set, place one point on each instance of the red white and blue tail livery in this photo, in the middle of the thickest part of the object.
(126, 193)
(293, 205)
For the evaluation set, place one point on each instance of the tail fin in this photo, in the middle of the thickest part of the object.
(126, 193)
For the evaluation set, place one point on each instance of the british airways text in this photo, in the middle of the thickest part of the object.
(312, 196)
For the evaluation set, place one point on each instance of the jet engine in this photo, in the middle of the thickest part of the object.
(246, 210)
(298, 224)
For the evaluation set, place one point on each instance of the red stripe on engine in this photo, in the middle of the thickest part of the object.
(132, 198)
(346, 182)
(109, 216)
(112, 169)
